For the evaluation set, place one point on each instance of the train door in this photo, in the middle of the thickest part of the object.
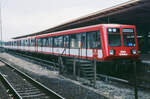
(39, 44)
(94, 45)
(36, 44)
(66, 45)
(83, 51)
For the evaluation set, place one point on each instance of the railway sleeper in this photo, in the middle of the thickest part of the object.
(34, 96)
(27, 88)
(31, 93)
(31, 90)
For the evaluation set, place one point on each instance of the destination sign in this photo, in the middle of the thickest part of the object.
(127, 30)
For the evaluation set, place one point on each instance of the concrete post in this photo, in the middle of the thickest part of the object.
(135, 81)
(95, 73)
(74, 67)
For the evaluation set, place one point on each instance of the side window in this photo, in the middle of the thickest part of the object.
(83, 40)
(45, 42)
(39, 42)
(58, 41)
(28, 42)
(72, 40)
(66, 41)
(94, 40)
(55, 42)
(17, 43)
(75, 40)
(33, 42)
(50, 41)
(14, 43)
(21, 42)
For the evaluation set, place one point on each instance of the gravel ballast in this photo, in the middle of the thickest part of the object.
(71, 89)
(3, 90)
(67, 88)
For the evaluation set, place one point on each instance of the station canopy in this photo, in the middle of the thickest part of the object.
(134, 12)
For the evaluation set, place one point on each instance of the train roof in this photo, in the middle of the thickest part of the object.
(93, 26)
(131, 12)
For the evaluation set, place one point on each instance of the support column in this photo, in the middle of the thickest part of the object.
(146, 47)
(61, 70)
(74, 67)
(95, 74)
(135, 81)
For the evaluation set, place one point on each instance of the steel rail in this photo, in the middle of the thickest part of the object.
(38, 61)
(8, 85)
(49, 62)
(31, 80)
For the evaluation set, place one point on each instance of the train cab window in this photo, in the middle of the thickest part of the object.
(128, 37)
(75, 40)
(66, 41)
(58, 41)
(114, 37)
(83, 40)
(93, 40)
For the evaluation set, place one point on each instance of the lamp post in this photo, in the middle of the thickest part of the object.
(1, 21)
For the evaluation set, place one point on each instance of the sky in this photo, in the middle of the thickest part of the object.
(21, 17)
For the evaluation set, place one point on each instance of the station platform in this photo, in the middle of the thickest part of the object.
(145, 58)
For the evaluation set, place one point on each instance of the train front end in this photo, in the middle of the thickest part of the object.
(120, 42)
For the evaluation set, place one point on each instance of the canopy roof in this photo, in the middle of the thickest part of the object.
(134, 12)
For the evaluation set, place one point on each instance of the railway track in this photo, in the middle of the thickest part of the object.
(22, 86)
(48, 64)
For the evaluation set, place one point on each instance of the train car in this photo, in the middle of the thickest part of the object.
(101, 42)
(105, 43)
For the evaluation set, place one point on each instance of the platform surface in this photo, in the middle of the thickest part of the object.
(145, 58)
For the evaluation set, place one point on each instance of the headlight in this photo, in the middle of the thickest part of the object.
(133, 51)
(112, 52)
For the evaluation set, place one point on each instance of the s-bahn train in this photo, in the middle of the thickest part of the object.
(103, 42)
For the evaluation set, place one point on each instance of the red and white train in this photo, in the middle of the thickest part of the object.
(101, 42)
